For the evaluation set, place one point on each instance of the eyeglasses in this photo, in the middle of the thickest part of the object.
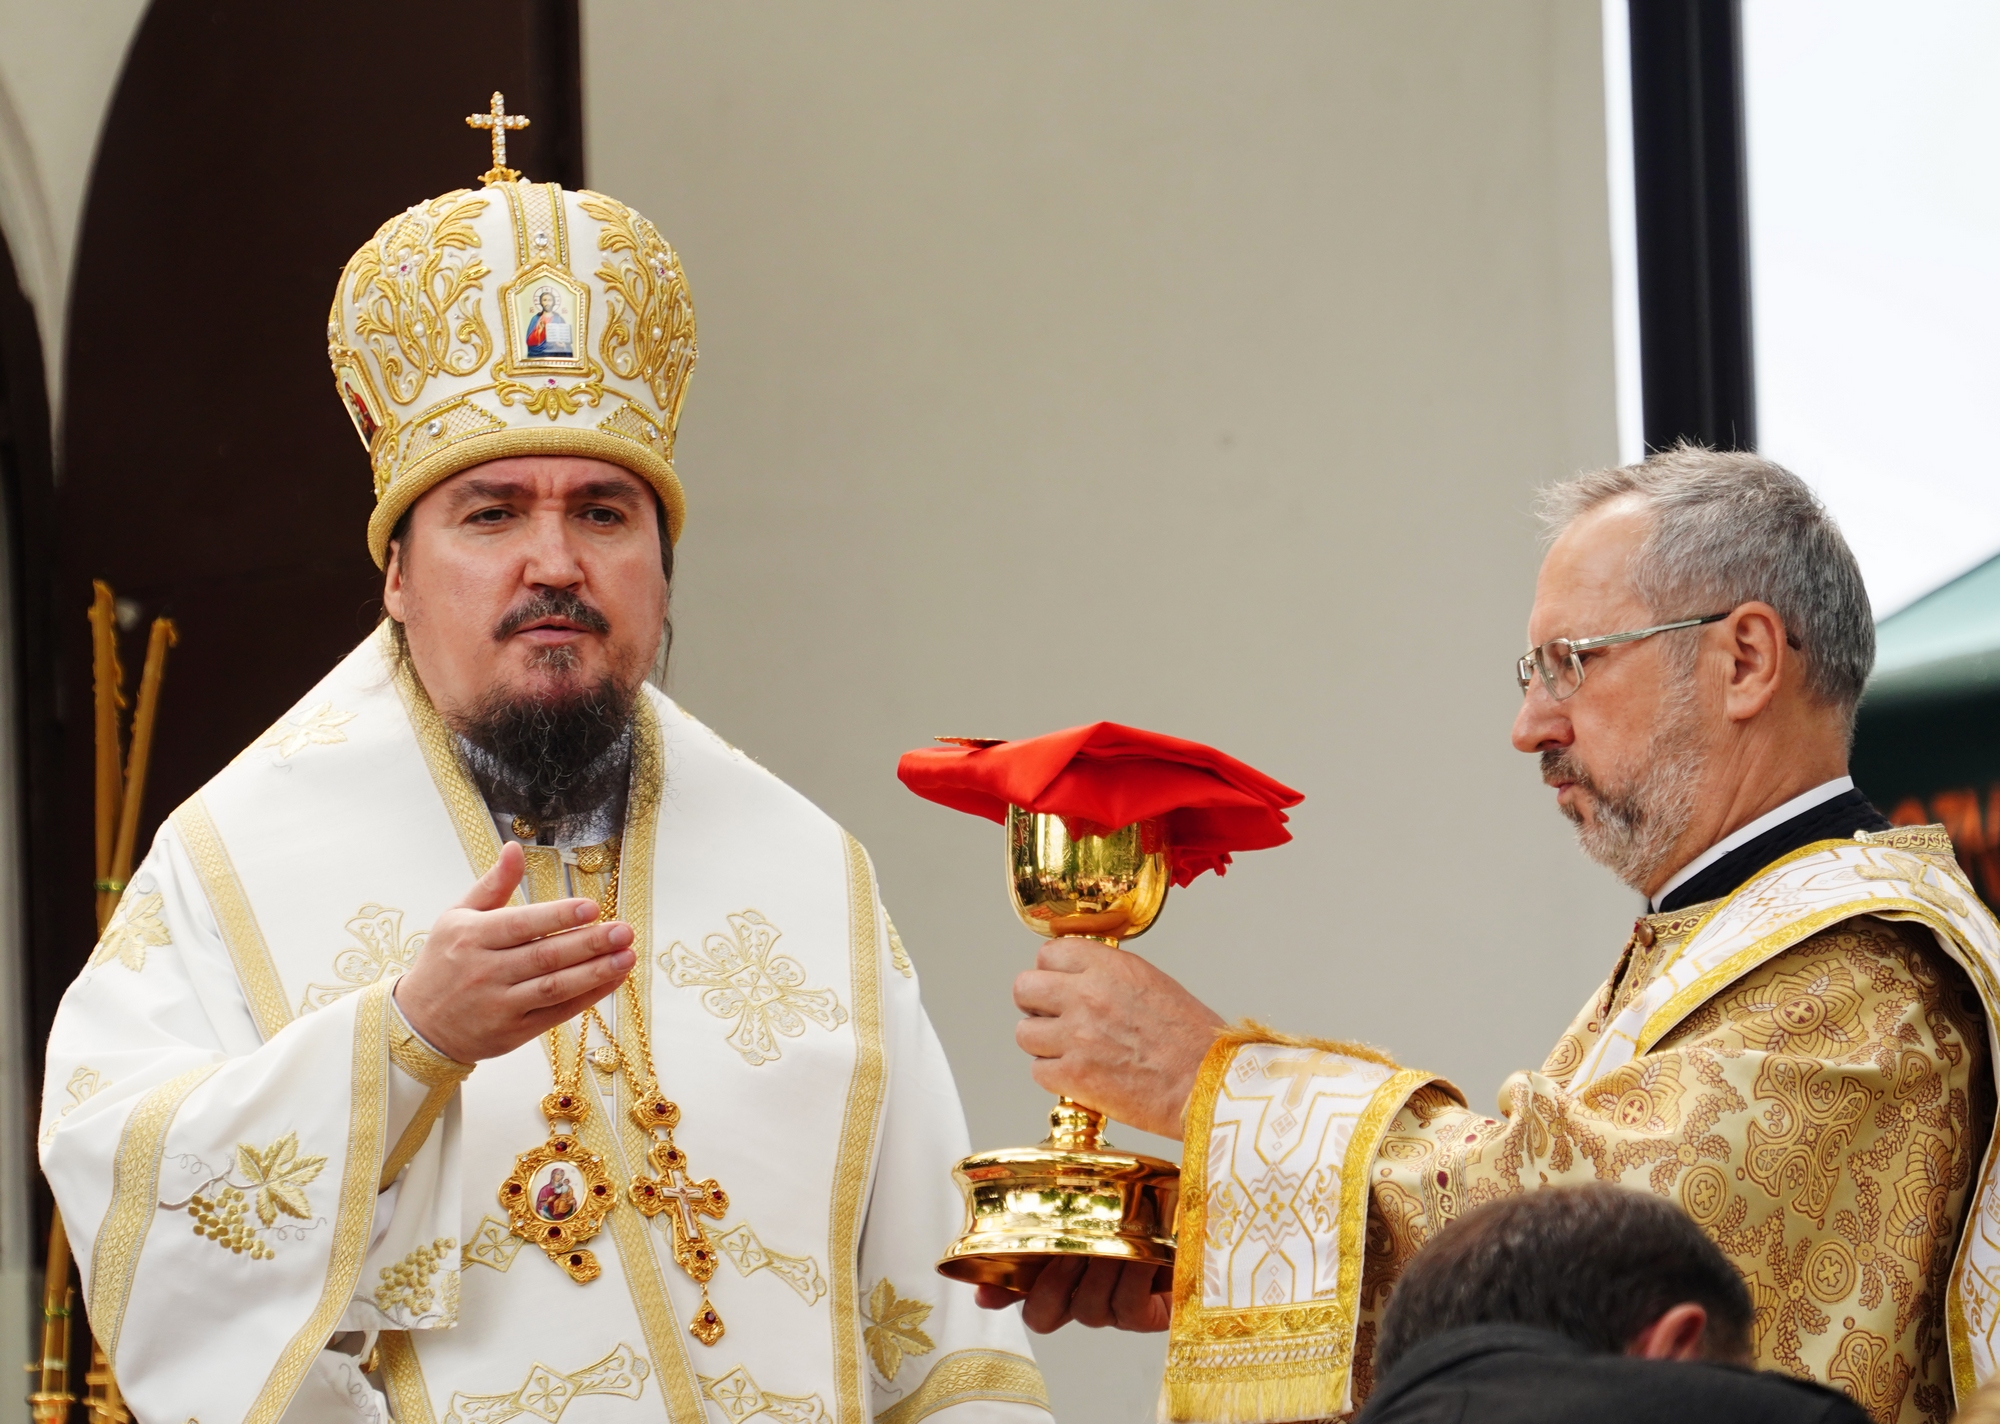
(1560, 662)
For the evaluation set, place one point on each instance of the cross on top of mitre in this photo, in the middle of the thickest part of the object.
(498, 120)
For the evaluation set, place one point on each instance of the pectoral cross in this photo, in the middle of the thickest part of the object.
(689, 1200)
(499, 121)
(1303, 1070)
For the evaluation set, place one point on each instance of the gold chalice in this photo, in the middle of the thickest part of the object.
(1073, 1194)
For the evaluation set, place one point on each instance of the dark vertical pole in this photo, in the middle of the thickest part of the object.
(1695, 359)
(27, 487)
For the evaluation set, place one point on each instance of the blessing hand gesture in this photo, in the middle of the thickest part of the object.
(492, 976)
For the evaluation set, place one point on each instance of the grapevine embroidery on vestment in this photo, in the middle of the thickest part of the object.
(84, 1083)
(898, 956)
(277, 1175)
(384, 953)
(743, 980)
(894, 1328)
(318, 726)
(740, 1398)
(135, 928)
(546, 1393)
(406, 1291)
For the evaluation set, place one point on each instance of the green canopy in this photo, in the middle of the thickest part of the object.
(1946, 644)
(1927, 742)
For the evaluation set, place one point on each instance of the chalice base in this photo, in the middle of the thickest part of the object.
(1073, 1194)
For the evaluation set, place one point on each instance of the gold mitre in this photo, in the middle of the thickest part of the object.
(516, 319)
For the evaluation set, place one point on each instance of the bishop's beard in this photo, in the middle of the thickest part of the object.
(1635, 826)
(556, 759)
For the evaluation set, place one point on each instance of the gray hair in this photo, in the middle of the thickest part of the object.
(1730, 528)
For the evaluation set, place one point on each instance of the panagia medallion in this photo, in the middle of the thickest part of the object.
(558, 1194)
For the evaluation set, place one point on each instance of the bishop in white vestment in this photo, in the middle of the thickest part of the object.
(302, 1184)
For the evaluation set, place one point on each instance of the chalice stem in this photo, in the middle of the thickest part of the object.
(1074, 1127)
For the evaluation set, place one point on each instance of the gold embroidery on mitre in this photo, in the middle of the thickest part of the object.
(742, 979)
(648, 314)
(442, 361)
(135, 928)
(415, 288)
(384, 953)
(546, 1393)
(428, 432)
(738, 1396)
(545, 312)
(894, 1328)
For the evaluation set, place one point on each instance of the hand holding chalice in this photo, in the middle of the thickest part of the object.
(1100, 820)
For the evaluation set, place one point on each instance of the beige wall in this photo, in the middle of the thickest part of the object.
(1185, 365)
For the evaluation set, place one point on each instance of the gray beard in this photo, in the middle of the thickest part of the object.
(590, 807)
(1636, 826)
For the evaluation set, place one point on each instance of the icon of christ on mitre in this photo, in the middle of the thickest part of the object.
(490, 1020)
(1795, 1042)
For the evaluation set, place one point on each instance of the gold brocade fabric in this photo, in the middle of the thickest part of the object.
(1822, 1118)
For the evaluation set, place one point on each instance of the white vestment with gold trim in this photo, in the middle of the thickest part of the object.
(254, 1155)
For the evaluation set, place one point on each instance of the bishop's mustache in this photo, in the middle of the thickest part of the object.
(551, 603)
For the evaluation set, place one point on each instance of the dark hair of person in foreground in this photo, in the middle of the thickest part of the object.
(1586, 1302)
(1596, 1263)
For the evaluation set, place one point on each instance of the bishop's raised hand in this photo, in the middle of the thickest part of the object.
(492, 976)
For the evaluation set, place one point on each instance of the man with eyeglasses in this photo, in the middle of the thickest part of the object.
(1793, 1043)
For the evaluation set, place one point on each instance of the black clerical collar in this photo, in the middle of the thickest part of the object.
(1836, 818)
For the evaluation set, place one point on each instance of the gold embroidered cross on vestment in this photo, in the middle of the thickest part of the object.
(498, 120)
(1302, 1071)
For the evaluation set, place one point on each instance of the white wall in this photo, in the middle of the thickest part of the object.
(1185, 365)
(1872, 232)
(58, 64)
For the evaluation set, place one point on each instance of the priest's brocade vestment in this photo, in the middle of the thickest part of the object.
(255, 1155)
(1806, 1066)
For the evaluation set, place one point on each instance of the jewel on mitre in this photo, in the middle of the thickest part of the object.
(1103, 776)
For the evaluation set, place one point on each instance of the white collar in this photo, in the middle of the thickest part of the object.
(1826, 791)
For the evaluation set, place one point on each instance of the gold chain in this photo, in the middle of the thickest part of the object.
(673, 1188)
(607, 910)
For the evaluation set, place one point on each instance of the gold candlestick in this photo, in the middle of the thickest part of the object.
(1074, 1194)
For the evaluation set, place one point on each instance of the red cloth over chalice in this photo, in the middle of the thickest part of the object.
(1103, 776)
